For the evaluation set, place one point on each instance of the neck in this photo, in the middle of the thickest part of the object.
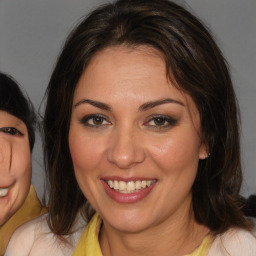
(177, 235)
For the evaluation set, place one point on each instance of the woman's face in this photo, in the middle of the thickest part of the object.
(15, 165)
(134, 140)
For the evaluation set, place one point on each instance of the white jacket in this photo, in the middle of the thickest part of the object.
(35, 239)
(234, 242)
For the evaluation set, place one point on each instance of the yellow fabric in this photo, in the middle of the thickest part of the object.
(203, 249)
(88, 244)
(30, 209)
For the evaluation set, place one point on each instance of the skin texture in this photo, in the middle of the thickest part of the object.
(15, 164)
(129, 142)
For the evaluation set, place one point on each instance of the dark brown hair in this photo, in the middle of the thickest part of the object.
(14, 101)
(193, 61)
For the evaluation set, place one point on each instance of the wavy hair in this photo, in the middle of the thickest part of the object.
(193, 61)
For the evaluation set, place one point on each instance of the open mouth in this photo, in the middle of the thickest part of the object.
(3, 192)
(130, 186)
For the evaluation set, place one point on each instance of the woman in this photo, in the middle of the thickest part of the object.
(141, 135)
(18, 199)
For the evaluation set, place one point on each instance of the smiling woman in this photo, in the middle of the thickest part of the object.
(141, 137)
(18, 200)
(15, 158)
(148, 142)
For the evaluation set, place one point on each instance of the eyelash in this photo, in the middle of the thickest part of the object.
(11, 131)
(85, 120)
(165, 121)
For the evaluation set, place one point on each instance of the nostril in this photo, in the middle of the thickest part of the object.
(126, 157)
(120, 159)
(125, 148)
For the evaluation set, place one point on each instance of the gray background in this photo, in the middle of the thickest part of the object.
(32, 33)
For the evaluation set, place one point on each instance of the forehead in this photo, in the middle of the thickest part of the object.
(120, 66)
(120, 70)
(8, 119)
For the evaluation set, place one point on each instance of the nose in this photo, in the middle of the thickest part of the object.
(5, 155)
(125, 149)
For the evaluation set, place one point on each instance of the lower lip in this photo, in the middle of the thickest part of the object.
(127, 197)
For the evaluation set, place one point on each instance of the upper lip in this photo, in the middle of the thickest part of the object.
(126, 179)
(7, 185)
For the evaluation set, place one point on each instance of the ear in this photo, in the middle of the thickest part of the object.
(204, 151)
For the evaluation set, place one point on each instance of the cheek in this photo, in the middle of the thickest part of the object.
(21, 166)
(21, 171)
(177, 151)
(85, 152)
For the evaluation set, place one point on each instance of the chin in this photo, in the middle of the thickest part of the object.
(127, 222)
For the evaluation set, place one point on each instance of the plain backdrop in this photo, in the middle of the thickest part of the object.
(32, 33)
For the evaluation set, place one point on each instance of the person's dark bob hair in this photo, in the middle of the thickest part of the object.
(193, 62)
(13, 101)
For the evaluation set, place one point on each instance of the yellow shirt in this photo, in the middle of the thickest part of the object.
(30, 209)
(88, 245)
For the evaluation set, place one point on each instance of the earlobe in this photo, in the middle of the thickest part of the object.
(204, 152)
(204, 156)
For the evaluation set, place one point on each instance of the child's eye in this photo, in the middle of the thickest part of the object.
(95, 120)
(11, 131)
(161, 121)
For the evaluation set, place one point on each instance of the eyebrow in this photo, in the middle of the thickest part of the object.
(94, 103)
(143, 107)
(152, 104)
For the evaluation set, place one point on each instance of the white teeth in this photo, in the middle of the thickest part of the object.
(143, 184)
(111, 184)
(130, 186)
(148, 183)
(116, 184)
(122, 185)
(138, 184)
(3, 192)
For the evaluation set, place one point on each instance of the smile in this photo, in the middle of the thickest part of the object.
(130, 186)
(3, 192)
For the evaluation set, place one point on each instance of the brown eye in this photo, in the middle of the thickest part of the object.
(161, 121)
(95, 120)
(11, 131)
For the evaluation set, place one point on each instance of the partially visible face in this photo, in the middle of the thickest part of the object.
(134, 140)
(15, 165)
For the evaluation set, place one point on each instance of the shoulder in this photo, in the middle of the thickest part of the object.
(235, 242)
(24, 237)
(34, 238)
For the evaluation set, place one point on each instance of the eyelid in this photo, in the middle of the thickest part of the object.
(84, 120)
(8, 130)
(171, 121)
